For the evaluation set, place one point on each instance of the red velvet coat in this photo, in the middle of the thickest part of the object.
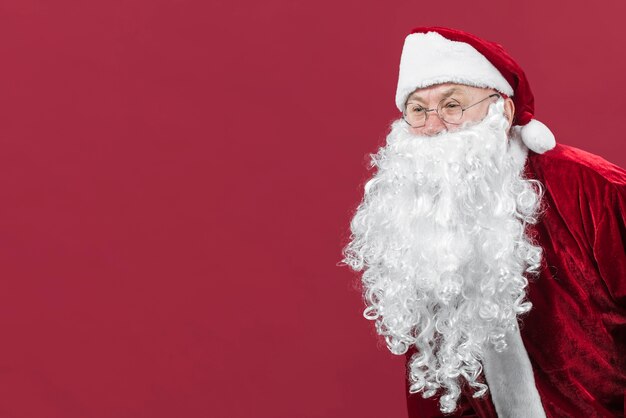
(575, 335)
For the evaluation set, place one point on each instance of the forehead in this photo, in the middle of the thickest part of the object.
(439, 91)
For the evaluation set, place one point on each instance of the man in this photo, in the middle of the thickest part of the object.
(491, 257)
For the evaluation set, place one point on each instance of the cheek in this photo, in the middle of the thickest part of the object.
(417, 131)
(474, 115)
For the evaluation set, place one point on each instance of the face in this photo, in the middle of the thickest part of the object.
(430, 97)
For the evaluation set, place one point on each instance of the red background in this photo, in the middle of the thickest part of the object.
(177, 179)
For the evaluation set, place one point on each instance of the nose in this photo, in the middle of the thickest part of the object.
(433, 125)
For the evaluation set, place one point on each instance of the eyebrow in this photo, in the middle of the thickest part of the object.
(446, 93)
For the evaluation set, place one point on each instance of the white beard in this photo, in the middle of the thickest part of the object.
(440, 238)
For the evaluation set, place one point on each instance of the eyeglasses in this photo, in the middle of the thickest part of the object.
(449, 110)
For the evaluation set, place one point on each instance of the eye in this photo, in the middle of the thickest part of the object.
(416, 109)
(451, 105)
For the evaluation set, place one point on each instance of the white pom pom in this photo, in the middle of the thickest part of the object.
(537, 137)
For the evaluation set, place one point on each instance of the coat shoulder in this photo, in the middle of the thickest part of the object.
(568, 163)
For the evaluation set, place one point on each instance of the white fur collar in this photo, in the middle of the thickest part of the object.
(510, 378)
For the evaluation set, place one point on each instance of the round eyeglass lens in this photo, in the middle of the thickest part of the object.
(450, 110)
(415, 116)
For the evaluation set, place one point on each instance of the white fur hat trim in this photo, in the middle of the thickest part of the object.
(429, 58)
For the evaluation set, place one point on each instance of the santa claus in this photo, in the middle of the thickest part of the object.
(493, 259)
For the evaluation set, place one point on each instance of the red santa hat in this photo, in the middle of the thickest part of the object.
(434, 55)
